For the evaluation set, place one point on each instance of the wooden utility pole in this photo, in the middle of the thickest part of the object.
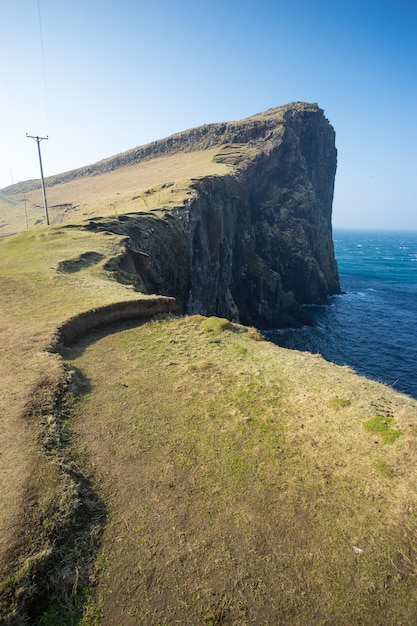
(38, 141)
(26, 211)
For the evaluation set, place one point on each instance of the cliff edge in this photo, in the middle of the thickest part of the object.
(253, 245)
(231, 219)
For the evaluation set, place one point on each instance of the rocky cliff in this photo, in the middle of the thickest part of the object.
(252, 245)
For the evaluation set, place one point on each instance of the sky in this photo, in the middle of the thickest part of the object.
(99, 77)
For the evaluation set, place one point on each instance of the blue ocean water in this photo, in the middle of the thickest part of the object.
(372, 327)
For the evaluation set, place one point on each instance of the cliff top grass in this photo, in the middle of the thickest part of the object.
(139, 180)
(141, 187)
(244, 483)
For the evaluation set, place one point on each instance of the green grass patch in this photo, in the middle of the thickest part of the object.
(381, 426)
(216, 325)
(384, 469)
(238, 351)
(339, 403)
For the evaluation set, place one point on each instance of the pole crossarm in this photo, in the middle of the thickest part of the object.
(45, 205)
(36, 137)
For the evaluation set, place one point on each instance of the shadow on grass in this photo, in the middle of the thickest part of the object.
(75, 349)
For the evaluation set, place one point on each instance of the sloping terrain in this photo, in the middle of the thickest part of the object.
(244, 483)
(183, 470)
(140, 187)
(39, 494)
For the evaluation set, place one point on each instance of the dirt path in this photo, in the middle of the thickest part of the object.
(19, 452)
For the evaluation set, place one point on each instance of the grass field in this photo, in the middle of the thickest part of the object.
(241, 482)
(183, 471)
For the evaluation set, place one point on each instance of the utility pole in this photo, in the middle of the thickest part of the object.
(38, 141)
(26, 212)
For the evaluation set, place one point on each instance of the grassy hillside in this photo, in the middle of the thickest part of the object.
(34, 299)
(183, 470)
(152, 184)
(48, 275)
(244, 483)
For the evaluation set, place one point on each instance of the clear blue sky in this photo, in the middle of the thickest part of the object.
(100, 77)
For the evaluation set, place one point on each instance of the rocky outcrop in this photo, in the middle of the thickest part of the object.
(252, 245)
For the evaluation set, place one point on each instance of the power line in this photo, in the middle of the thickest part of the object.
(43, 63)
(45, 205)
(12, 100)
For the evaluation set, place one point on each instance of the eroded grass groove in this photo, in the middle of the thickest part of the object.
(49, 563)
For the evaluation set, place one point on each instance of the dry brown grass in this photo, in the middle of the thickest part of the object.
(144, 186)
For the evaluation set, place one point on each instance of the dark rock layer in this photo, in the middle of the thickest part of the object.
(253, 245)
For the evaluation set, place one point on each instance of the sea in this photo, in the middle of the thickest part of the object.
(372, 326)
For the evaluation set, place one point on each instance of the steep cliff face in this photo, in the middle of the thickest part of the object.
(253, 245)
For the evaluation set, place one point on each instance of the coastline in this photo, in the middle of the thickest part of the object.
(367, 327)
